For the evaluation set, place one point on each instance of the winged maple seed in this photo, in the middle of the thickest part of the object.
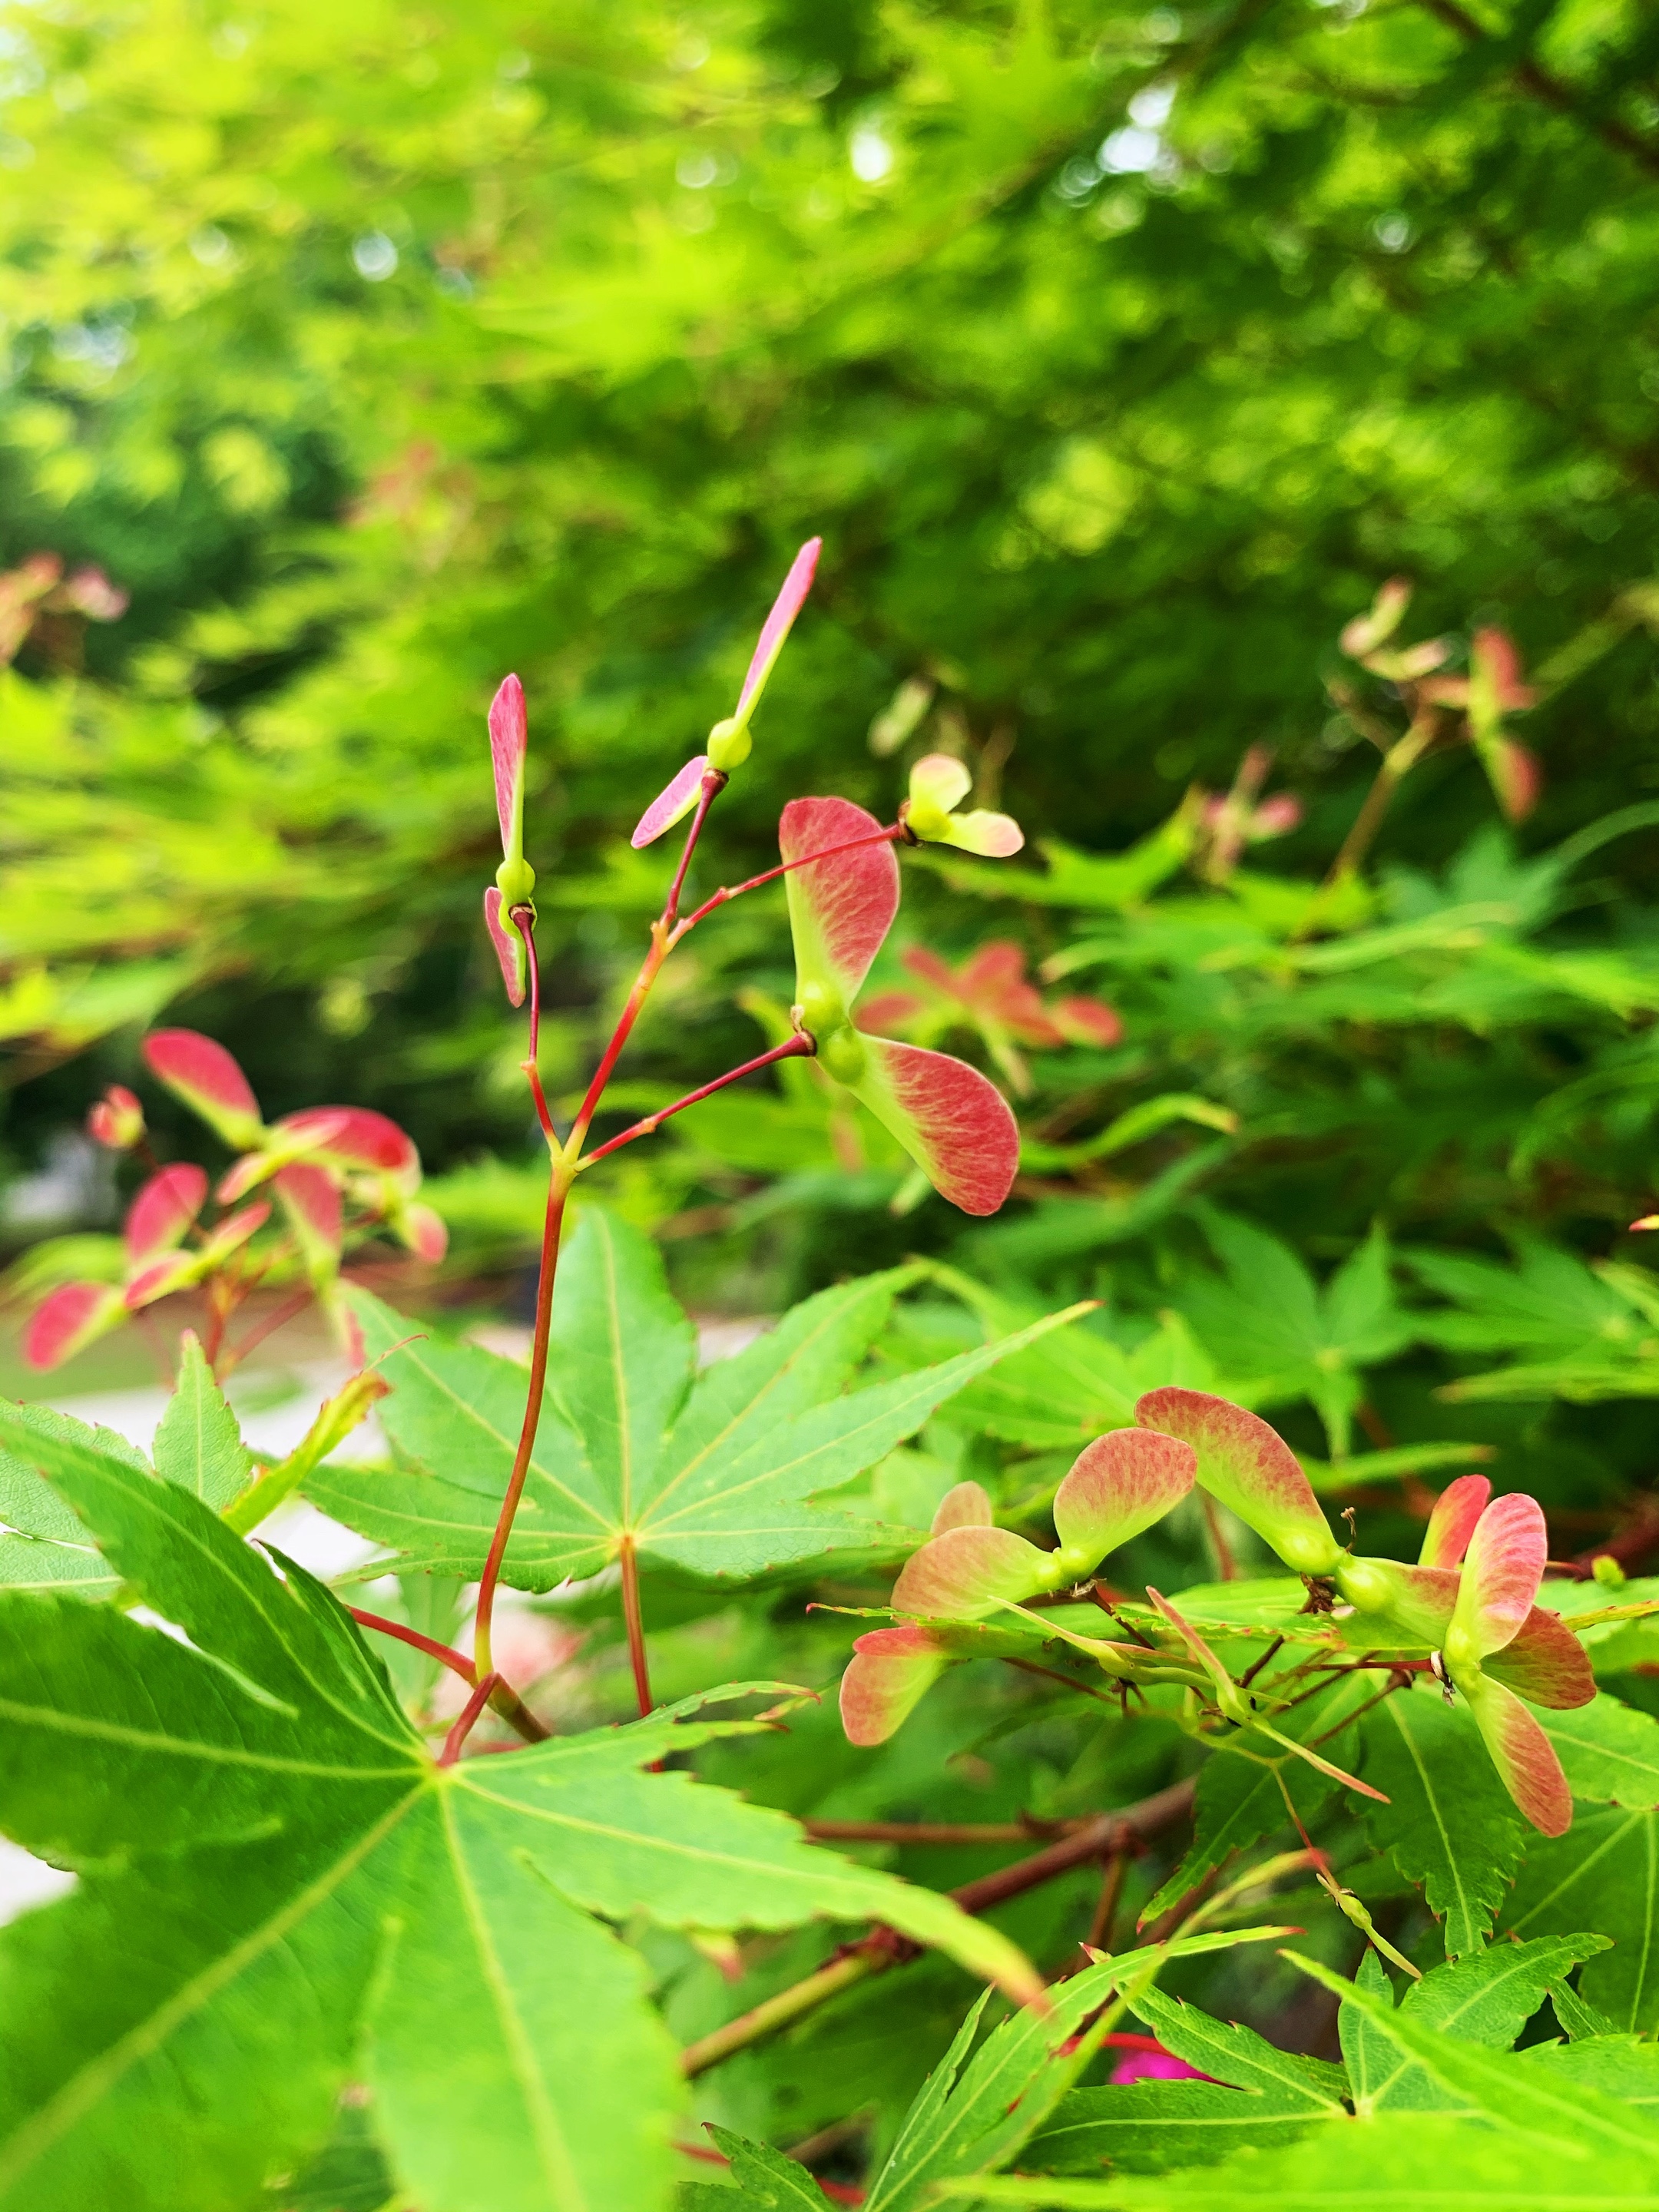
(1468, 1605)
(515, 879)
(990, 994)
(953, 1122)
(1470, 1601)
(117, 1120)
(938, 784)
(334, 1171)
(730, 741)
(970, 1569)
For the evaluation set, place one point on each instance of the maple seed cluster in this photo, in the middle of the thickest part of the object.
(338, 1174)
(1468, 1611)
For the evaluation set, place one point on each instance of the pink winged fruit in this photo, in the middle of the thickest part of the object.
(117, 1120)
(515, 879)
(953, 1123)
(1472, 1593)
(968, 1569)
(730, 741)
(991, 993)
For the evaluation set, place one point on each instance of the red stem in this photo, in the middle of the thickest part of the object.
(797, 1047)
(660, 932)
(523, 922)
(463, 1728)
(284, 1313)
(631, 1616)
(723, 896)
(715, 781)
(455, 1661)
(557, 1190)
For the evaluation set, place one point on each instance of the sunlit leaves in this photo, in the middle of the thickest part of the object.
(716, 1475)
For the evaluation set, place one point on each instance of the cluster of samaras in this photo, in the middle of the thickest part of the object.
(1468, 1611)
(336, 1173)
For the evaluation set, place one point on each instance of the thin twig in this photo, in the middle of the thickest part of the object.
(1023, 1831)
(714, 782)
(503, 1698)
(801, 1046)
(634, 1624)
(457, 1662)
(1226, 1565)
(558, 1191)
(894, 832)
(285, 1313)
(532, 1061)
(1105, 1834)
(463, 1728)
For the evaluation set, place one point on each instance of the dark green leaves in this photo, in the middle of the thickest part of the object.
(712, 1474)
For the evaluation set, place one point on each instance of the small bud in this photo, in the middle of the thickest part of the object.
(515, 880)
(729, 745)
(117, 1120)
(1606, 1570)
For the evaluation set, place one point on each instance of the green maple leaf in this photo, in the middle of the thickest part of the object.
(198, 1443)
(975, 2115)
(1449, 1825)
(1487, 1998)
(281, 1892)
(1255, 2095)
(1272, 1323)
(711, 1475)
(1517, 2134)
(1601, 1873)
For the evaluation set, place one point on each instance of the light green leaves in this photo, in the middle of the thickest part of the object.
(278, 1887)
(712, 1475)
(1257, 2095)
(1487, 1998)
(199, 1444)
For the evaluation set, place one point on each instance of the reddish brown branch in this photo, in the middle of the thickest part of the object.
(797, 1048)
(1023, 1831)
(1104, 1836)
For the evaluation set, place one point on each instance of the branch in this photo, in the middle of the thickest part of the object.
(892, 835)
(520, 918)
(1025, 1830)
(1107, 1834)
(558, 1191)
(797, 1047)
(503, 1698)
(1532, 77)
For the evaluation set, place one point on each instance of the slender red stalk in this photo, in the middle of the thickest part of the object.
(463, 1725)
(256, 1335)
(663, 933)
(797, 1047)
(725, 896)
(1226, 1566)
(527, 929)
(636, 1624)
(715, 781)
(457, 1662)
(558, 1191)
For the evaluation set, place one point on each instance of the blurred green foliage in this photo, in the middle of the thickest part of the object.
(1118, 355)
